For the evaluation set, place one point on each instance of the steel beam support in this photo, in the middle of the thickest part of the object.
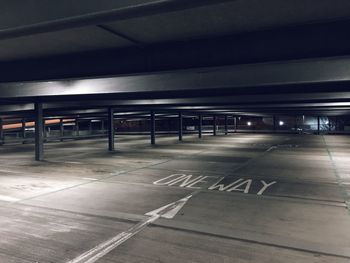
(39, 131)
(214, 125)
(180, 126)
(153, 128)
(200, 122)
(318, 125)
(274, 120)
(296, 124)
(110, 129)
(226, 124)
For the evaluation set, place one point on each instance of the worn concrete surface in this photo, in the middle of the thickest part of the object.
(257, 198)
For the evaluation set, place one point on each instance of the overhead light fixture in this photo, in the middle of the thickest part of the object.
(249, 123)
(281, 123)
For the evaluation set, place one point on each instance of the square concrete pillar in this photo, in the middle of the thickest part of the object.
(61, 129)
(39, 131)
(200, 122)
(180, 126)
(214, 125)
(153, 128)
(110, 129)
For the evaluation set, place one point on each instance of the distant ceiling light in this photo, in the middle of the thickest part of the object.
(281, 123)
(249, 123)
(327, 122)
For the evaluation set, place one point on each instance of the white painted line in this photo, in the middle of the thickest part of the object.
(104, 248)
(8, 171)
(94, 254)
(8, 198)
(90, 179)
(271, 148)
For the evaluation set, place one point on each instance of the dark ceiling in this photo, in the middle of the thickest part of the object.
(45, 40)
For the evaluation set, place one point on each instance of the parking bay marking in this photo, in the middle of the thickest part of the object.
(168, 211)
(222, 184)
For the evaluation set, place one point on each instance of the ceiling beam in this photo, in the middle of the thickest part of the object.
(243, 102)
(238, 79)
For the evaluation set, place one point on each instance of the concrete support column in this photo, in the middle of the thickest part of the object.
(296, 124)
(23, 130)
(235, 124)
(318, 125)
(61, 129)
(180, 126)
(102, 125)
(274, 119)
(226, 124)
(1, 132)
(336, 124)
(39, 131)
(200, 122)
(90, 127)
(77, 127)
(110, 129)
(153, 128)
(214, 125)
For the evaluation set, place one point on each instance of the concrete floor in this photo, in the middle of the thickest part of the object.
(256, 198)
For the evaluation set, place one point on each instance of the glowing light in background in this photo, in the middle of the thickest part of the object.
(249, 123)
(281, 123)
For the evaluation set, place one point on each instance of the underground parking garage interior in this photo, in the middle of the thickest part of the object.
(174, 131)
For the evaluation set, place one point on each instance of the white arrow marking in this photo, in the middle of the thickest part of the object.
(170, 210)
(94, 254)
